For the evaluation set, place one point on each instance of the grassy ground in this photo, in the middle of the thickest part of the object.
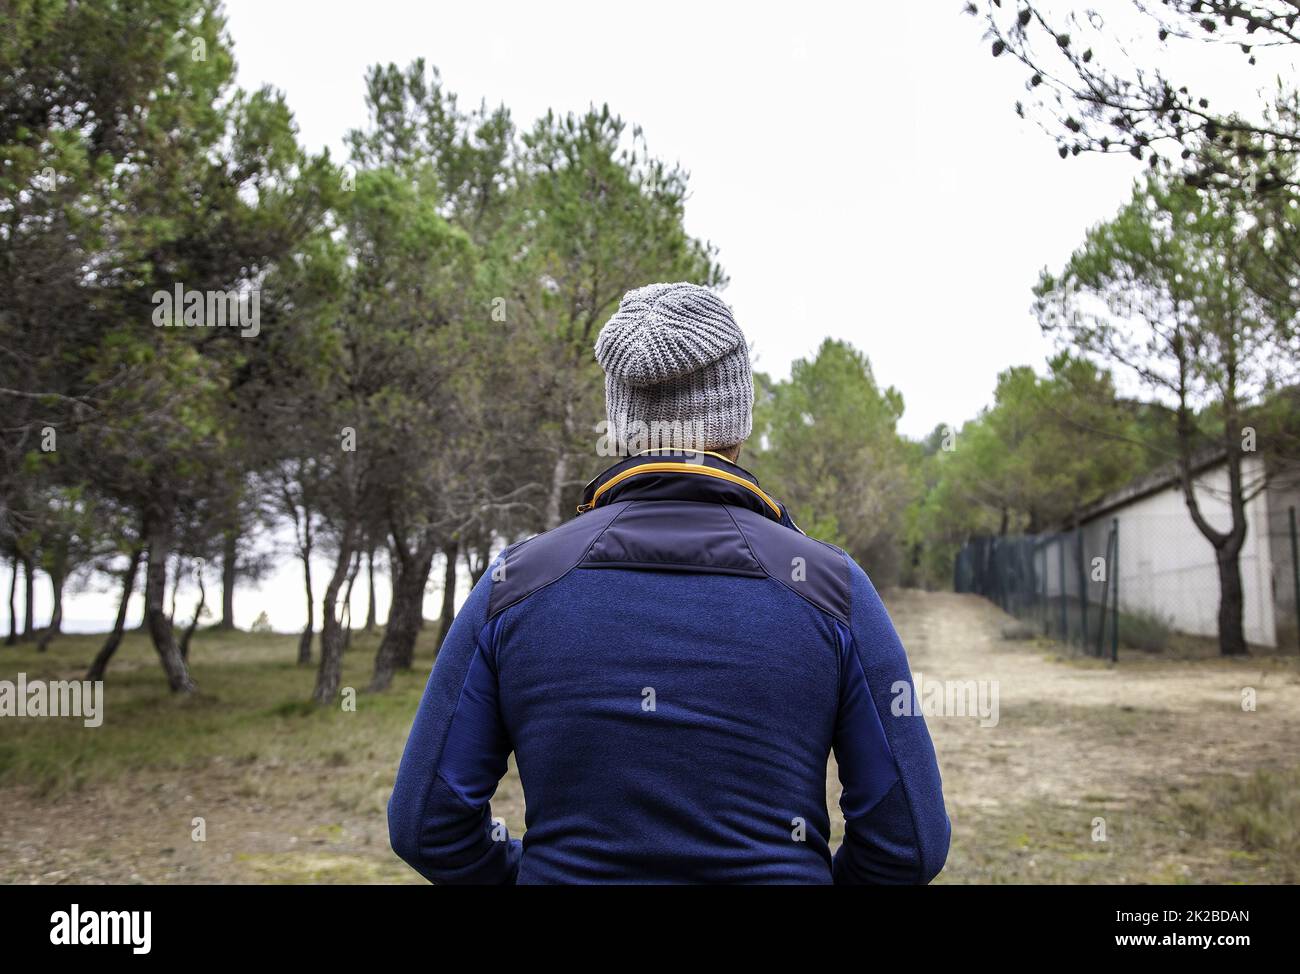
(1146, 772)
(1187, 786)
(288, 792)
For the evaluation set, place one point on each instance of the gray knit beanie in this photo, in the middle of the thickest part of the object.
(676, 370)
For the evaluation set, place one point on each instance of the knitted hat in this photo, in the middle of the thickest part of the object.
(676, 370)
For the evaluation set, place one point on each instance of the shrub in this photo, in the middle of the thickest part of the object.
(1144, 630)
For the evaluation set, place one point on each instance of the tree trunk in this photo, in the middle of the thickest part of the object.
(176, 587)
(346, 614)
(416, 586)
(554, 514)
(478, 560)
(155, 591)
(559, 478)
(13, 601)
(370, 606)
(397, 648)
(194, 623)
(57, 581)
(29, 598)
(304, 643)
(1227, 545)
(329, 675)
(229, 563)
(114, 640)
(1232, 603)
(448, 611)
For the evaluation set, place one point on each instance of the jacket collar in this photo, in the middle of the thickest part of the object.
(681, 475)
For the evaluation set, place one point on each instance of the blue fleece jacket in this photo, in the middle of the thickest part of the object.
(671, 670)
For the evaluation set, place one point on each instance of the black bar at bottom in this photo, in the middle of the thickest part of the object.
(383, 925)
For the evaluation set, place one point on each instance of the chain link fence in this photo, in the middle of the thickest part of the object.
(1051, 581)
(1143, 582)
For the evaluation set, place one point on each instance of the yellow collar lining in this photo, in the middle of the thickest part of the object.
(671, 467)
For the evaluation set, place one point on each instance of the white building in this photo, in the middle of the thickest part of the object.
(1167, 568)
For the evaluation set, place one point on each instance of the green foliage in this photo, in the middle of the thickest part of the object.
(825, 442)
(1147, 631)
(1174, 288)
(130, 168)
(1046, 447)
(438, 297)
(1163, 290)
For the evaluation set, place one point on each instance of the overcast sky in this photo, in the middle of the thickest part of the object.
(864, 176)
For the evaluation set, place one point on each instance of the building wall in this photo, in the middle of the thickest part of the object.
(1284, 494)
(1167, 567)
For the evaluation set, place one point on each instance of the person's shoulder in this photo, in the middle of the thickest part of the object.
(531, 564)
(814, 570)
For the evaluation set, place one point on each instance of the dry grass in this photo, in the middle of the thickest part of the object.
(1191, 788)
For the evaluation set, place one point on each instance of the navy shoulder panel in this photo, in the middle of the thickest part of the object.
(524, 568)
(812, 569)
(676, 535)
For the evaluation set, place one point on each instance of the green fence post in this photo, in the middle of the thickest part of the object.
(1083, 588)
(1065, 612)
(1105, 597)
(1114, 570)
(1295, 575)
(1046, 600)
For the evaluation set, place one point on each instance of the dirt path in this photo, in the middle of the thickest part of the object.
(1077, 740)
(1162, 752)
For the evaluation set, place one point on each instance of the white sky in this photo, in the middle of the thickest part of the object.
(860, 166)
(862, 172)
(861, 169)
